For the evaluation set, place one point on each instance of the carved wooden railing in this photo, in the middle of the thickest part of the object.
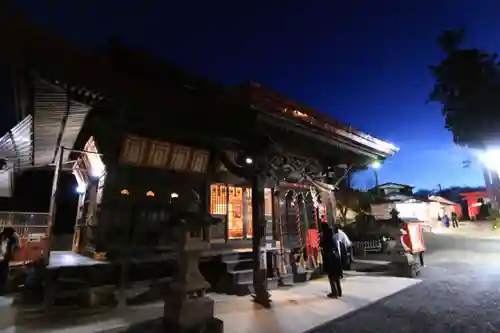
(32, 229)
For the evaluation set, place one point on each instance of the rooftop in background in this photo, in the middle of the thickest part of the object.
(442, 200)
(392, 186)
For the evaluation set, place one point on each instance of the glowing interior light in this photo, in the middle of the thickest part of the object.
(248, 160)
(124, 192)
(174, 195)
(150, 194)
(97, 170)
(81, 188)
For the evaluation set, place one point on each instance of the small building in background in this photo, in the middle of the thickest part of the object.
(400, 197)
(475, 200)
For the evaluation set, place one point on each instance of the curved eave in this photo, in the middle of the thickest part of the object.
(16, 145)
(58, 120)
(266, 99)
(334, 140)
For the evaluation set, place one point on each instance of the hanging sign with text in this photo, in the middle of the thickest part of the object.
(160, 154)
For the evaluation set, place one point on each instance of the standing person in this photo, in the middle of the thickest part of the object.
(9, 243)
(345, 248)
(421, 258)
(454, 219)
(446, 221)
(331, 259)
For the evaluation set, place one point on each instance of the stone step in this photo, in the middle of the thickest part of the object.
(242, 276)
(238, 265)
(272, 284)
(235, 261)
(302, 275)
(286, 280)
(236, 256)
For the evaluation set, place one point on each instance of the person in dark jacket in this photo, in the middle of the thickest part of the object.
(332, 263)
(454, 219)
(9, 243)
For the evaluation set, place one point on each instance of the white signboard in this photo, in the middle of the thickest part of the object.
(6, 182)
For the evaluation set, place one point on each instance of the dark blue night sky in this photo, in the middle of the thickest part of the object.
(364, 62)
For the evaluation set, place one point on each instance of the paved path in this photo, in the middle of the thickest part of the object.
(460, 292)
(294, 310)
(476, 229)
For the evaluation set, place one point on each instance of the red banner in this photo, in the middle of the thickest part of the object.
(413, 237)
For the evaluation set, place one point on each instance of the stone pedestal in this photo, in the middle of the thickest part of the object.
(403, 263)
(188, 315)
(187, 309)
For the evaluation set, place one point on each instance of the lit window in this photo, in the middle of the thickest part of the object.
(124, 192)
(218, 199)
(150, 194)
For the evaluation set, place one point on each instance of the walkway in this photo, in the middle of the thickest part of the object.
(476, 229)
(295, 310)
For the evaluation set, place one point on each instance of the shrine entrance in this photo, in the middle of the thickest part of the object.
(233, 204)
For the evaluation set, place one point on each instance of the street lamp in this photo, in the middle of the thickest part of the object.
(491, 159)
(375, 165)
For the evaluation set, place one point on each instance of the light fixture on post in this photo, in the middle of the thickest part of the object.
(491, 159)
(375, 165)
(248, 160)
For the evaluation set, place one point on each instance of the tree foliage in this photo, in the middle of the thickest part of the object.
(467, 85)
(349, 198)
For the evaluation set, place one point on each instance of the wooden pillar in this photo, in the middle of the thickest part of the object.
(276, 214)
(261, 295)
(79, 223)
(90, 217)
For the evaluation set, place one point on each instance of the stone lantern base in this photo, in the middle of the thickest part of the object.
(194, 315)
(187, 309)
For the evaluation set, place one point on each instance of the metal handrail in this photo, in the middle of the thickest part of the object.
(23, 218)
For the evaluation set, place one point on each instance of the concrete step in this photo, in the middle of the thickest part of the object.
(286, 280)
(241, 276)
(302, 275)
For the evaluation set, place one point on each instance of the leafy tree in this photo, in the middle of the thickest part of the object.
(349, 198)
(467, 85)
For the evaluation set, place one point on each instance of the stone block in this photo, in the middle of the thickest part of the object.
(189, 314)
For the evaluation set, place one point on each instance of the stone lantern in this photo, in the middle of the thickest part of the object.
(187, 309)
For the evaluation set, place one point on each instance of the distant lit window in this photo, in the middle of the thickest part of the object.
(150, 194)
(124, 192)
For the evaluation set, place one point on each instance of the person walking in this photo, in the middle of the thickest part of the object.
(331, 259)
(454, 219)
(9, 243)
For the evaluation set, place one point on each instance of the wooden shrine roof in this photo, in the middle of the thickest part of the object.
(130, 76)
(279, 106)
